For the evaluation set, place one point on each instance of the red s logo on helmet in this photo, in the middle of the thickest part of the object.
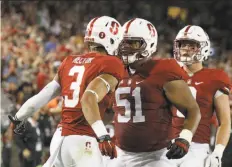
(114, 27)
(151, 29)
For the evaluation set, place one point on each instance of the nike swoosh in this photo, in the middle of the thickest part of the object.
(138, 82)
(198, 83)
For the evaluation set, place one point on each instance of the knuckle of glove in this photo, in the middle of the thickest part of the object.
(20, 128)
(182, 143)
(105, 145)
(178, 149)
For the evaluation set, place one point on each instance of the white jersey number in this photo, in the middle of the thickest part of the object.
(75, 86)
(138, 117)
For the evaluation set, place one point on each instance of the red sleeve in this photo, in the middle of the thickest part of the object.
(223, 82)
(61, 67)
(173, 71)
(113, 66)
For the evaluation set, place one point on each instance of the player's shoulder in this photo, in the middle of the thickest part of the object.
(221, 79)
(165, 65)
(217, 74)
(111, 61)
(108, 58)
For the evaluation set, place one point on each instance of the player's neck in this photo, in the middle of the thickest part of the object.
(100, 51)
(193, 68)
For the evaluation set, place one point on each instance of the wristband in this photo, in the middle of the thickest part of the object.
(219, 149)
(99, 128)
(186, 134)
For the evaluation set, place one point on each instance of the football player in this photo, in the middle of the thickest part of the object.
(144, 98)
(211, 88)
(86, 83)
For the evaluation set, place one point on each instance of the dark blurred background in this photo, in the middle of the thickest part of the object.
(36, 36)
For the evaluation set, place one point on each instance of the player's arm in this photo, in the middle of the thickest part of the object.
(179, 94)
(108, 117)
(222, 107)
(94, 93)
(50, 91)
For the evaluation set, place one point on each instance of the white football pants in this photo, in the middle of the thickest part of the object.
(194, 158)
(131, 159)
(73, 151)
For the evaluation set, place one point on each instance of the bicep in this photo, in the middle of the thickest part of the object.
(101, 85)
(179, 94)
(222, 106)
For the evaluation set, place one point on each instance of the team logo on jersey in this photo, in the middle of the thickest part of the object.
(198, 83)
(138, 82)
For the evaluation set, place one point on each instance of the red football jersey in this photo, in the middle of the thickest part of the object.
(75, 73)
(142, 111)
(203, 85)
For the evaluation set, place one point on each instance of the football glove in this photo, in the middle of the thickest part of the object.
(177, 149)
(214, 159)
(19, 126)
(107, 147)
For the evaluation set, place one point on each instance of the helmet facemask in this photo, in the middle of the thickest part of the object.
(191, 54)
(132, 49)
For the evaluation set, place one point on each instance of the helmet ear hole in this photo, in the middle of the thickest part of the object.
(111, 41)
(152, 45)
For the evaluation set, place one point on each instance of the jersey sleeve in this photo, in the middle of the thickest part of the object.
(113, 66)
(61, 67)
(173, 71)
(223, 82)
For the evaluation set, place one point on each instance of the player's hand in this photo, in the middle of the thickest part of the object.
(19, 126)
(213, 160)
(107, 147)
(178, 149)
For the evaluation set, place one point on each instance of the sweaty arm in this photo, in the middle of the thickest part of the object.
(180, 95)
(50, 91)
(221, 104)
(94, 93)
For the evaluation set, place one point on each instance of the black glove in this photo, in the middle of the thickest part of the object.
(178, 149)
(19, 126)
(107, 147)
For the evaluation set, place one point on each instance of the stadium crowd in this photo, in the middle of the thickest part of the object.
(37, 36)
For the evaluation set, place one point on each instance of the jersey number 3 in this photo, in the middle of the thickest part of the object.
(75, 86)
(138, 117)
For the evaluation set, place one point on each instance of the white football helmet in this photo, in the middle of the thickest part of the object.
(140, 33)
(195, 34)
(105, 31)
